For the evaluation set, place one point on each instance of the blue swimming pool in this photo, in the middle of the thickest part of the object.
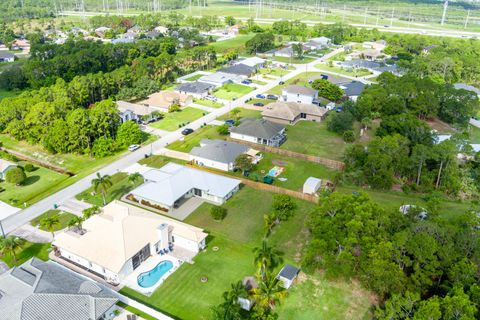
(150, 278)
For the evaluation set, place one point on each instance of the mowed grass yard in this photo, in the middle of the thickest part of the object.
(173, 120)
(193, 140)
(301, 80)
(244, 113)
(313, 138)
(232, 91)
(63, 218)
(235, 43)
(208, 103)
(120, 187)
(344, 71)
(31, 190)
(26, 252)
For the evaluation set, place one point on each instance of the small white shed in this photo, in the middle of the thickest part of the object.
(287, 275)
(312, 185)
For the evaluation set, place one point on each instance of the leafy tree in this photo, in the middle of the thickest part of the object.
(15, 175)
(103, 183)
(349, 136)
(340, 122)
(174, 108)
(50, 223)
(298, 50)
(223, 130)
(134, 177)
(283, 206)
(218, 213)
(129, 133)
(327, 89)
(230, 21)
(103, 147)
(261, 42)
(244, 162)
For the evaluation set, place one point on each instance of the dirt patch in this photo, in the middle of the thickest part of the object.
(440, 126)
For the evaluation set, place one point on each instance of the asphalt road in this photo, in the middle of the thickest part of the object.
(24, 216)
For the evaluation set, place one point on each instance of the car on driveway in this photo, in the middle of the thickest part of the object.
(247, 81)
(187, 131)
(258, 104)
(230, 122)
(272, 97)
(133, 147)
(281, 83)
(260, 96)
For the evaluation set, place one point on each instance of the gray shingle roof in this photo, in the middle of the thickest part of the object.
(52, 292)
(292, 88)
(239, 69)
(258, 128)
(219, 150)
(353, 88)
(194, 87)
(4, 55)
(289, 272)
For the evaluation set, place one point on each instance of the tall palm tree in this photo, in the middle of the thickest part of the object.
(134, 177)
(266, 258)
(11, 245)
(269, 292)
(50, 223)
(87, 213)
(102, 183)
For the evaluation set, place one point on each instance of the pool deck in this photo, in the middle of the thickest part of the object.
(131, 280)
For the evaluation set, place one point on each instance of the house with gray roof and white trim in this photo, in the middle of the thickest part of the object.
(259, 131)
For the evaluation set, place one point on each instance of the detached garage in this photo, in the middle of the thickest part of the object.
(312, 185)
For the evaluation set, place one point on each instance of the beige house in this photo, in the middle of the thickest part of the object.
(118, 240)
(292, 112)
(162, 100)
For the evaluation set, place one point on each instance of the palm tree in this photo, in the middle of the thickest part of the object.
(50, 223)
(76, 222)
(102, 183)
(87, 213)
(134, 177)
(269, 292)
(266, 258)
(11, 245)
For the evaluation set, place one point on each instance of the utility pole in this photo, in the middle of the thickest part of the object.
(445, 6)
(378, 16)
(365, 17)
(466, 20)
(343, 15)
(391, 19)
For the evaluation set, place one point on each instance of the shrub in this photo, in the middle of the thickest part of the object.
(218, 213)
(174, 108)
(340, 122)
(15, 175)
(349, 136)
(223, 129)
(29, 167)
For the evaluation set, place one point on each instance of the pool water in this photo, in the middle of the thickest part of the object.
(150, 278)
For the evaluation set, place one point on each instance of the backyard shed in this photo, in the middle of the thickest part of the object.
(287, 275)
(312, 185)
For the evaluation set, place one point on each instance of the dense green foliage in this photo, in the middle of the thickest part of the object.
(261, 42)
(417, 267)
(15, 175)
(327, 89)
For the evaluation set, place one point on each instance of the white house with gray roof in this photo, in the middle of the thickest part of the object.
(220, 154)
(45, 290)
(299, 94)
(219, 79)
(259, 131)
(197, 89)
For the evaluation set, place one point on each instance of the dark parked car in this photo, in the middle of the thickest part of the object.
(260, 96)
(281, 82)
(187, 131)
(272, 97)
(247, 81)
(258, 104)
(230, 122)
(324, 76)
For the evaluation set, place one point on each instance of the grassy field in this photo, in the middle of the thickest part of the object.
(236, 43)
(301, 80)
(208, 103)
(277, 72)
(173, 120)
(244, 113)
(63, 217)
(159, 161)
(193, 140)
(28, 251)
(195, 77)
(344, 71)
(260, 83)
(120, 187)
(293, 60)
(39, 181)
(232, 91)
(313, 138)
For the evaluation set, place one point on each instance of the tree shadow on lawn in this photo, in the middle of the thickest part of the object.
(30, 180)
(118, 193)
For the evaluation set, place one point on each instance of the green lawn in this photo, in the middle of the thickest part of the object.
(159, 161)
(193, 140)
(260, 83)
(301, 80)
(232, 91)
(195, 77)
(135, 311)
(184, 295)
(208, 103)
(313, 138)
(278, 72)
(244, 113)
(28, 251)
(120, 187)
(174, 120)
(37, 183)
(264, 101)
(236, 43)
(319, 298)
(294, 60)
(344, 71)
(63, 217)
(474, 134)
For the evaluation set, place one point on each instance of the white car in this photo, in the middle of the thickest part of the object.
(133, 147)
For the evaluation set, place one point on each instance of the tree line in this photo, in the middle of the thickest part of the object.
(419, 268)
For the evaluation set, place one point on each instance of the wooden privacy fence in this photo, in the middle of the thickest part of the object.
(333, 164)
(263, 186)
